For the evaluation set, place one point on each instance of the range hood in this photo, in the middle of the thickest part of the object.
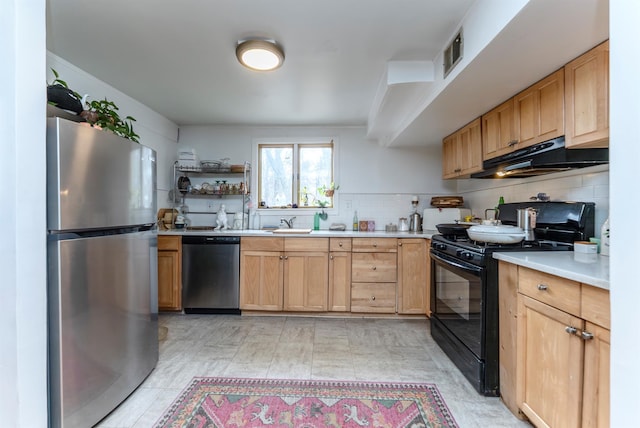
(543, 158)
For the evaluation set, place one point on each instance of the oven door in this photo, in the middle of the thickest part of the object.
(457, 299)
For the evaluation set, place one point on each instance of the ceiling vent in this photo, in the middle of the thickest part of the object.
(453, 53)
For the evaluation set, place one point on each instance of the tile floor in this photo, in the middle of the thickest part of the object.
(302, 348)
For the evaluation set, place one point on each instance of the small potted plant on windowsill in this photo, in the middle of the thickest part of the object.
(328, 191)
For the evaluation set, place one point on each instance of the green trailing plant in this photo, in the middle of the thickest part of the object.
(104, 114)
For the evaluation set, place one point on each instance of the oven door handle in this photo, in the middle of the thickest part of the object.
(469, 268)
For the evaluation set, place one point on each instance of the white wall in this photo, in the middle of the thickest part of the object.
(23, 362)
(625, 162)
(376, 181)
(155, 130)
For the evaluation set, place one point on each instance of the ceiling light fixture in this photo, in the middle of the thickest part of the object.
(260, 55)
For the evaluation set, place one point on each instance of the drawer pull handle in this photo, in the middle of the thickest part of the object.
(586, 335)
(542, 287)
(571, 330)
(513, 143)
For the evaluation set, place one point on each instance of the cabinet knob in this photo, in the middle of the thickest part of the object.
(513, 143)
(571, 330)
(373, 297)
(281, 257)
(340, 244)
(286, 257)
(585, 335)
(374, 268)
(331, 257)
(542, 287)
(375, 244)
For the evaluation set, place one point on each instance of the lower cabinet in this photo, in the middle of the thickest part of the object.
(374, 269)
(306, 277)
(360, 275)
(562, 364)
(339, 275)
(169, 273)
(261, 273)
(413, 276)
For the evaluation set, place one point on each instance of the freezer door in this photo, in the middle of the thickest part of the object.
(96, 179)
(103, 323)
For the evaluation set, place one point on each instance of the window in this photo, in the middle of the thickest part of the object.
(295, 173)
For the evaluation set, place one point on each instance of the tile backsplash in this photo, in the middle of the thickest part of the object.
(586, 185)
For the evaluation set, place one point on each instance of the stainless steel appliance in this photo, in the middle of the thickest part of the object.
(211, 274)
(102, 270)
(464, 284)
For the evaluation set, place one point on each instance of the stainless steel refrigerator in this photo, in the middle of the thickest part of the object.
(102, 270)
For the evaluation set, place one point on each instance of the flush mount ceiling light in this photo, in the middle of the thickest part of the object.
(260, 55)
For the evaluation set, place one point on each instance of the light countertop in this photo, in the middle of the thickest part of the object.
(587, 269)
(427, 234)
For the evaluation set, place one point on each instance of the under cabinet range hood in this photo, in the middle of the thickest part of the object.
(543, 158)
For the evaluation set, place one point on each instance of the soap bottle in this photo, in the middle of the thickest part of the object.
(355, 221)
(316, 221)
(604, 238)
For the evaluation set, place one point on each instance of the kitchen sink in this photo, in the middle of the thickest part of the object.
(292, 230)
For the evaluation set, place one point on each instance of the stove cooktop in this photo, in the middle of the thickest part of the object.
(466, 244)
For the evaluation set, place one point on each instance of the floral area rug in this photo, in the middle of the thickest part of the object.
(230, 402)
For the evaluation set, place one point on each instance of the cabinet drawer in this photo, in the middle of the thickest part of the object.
(596, 306)
(339, 244)
(373, 297)
(172, 243)
(306, 244)
(374, 245)
(262, 244)
(373, 267)
(560, 293)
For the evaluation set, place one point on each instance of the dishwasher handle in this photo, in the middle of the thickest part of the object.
(210, 240)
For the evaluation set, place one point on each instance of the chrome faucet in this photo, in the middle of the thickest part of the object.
(289, 222)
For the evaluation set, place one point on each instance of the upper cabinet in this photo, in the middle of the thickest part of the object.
(498, 131)
(539, 111)
(587, 99)
(462, 151)
(533, 116)
(573, 101)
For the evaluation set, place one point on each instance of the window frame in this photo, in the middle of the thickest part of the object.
(296, 143)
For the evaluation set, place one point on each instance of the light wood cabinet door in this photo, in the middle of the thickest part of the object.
(374, 267)
(413, 276)
(587, 99)
(261, 280)
(595, 402)
(539, 111)
(339, 281)
(450, 159)
(169, 290)
(549, 365)
(508, 316)
(373, 297)
(170, 273)
(306, 281)
(462, 151)
(498, 131)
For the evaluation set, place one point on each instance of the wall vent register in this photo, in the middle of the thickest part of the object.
(453, 53)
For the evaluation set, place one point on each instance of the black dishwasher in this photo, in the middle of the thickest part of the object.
(211, 274)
